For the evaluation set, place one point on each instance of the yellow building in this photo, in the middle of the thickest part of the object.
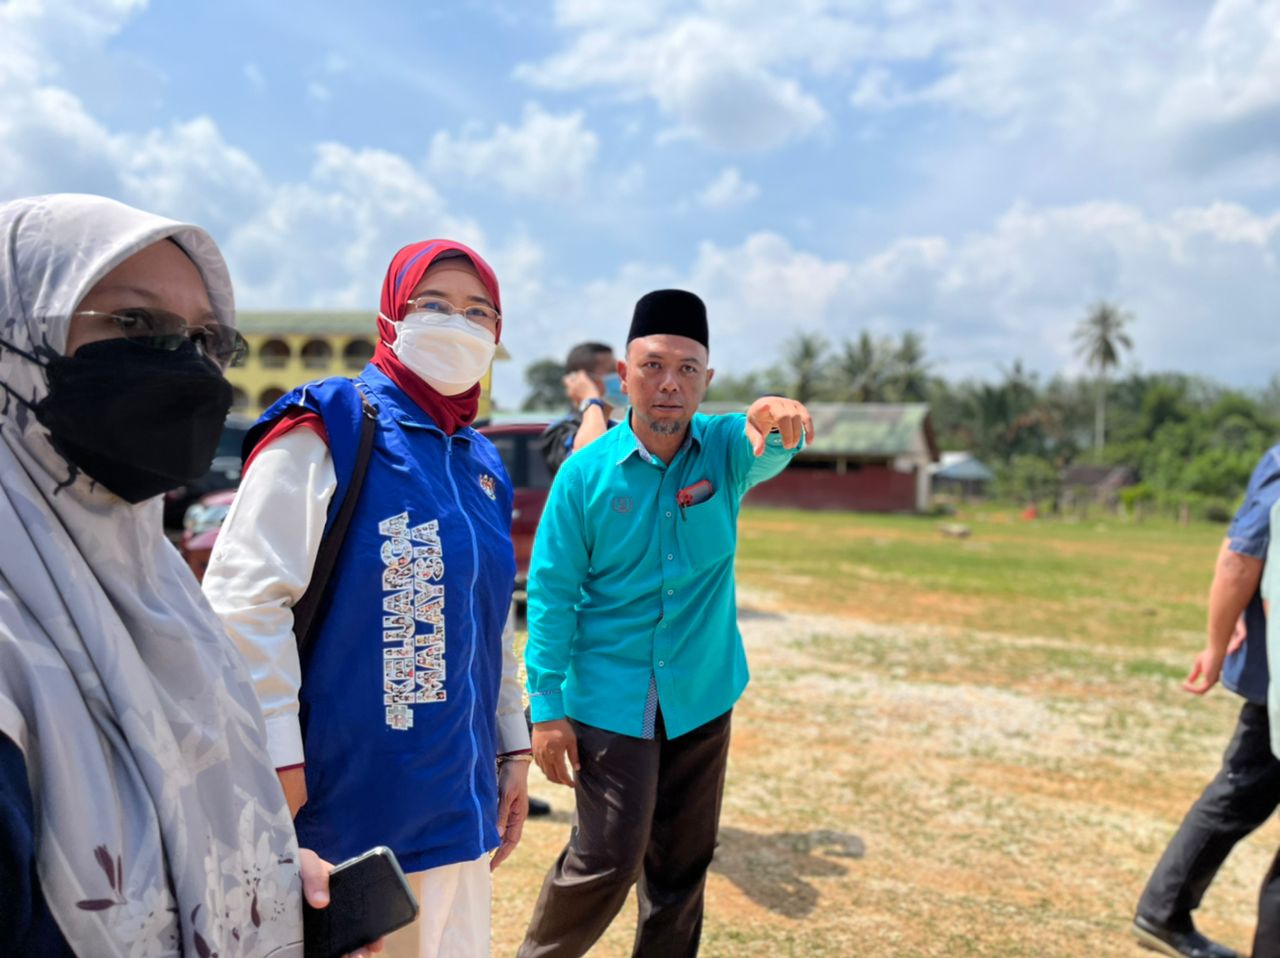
(290, 347)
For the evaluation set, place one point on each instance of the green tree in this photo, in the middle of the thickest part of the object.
(745, 389)
(545, 379)
(1100, 338)
(862, 368)
(807, 358)
(910, 372)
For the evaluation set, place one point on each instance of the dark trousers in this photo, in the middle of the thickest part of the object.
(1241, 797)
(648, 812)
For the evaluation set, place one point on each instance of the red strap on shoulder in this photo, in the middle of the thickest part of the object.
(293, 419)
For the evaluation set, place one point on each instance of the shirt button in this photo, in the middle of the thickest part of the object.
(668, 515)
(670, 557)
(661, 664)
(671, 592)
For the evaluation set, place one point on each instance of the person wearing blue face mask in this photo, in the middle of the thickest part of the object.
(594, 390)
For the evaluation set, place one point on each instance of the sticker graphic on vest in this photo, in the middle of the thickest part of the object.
(413, 633)
(489, 485)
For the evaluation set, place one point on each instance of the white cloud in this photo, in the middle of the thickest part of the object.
(547, 156)
(1169, 83)
(39, 38)
(711, 77)
(992, 296)
(1225, 107)
(1150, 83)
(191, 171)
(729, 188)
(340, 226)
(322, 240)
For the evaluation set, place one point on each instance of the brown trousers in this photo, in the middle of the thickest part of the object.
(648, 812)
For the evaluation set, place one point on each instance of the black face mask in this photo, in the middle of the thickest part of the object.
(139, 421)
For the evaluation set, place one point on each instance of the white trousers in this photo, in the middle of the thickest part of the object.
(453, 914)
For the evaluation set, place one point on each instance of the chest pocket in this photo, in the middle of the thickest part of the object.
(707, 531)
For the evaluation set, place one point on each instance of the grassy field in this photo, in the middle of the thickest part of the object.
(951, 746)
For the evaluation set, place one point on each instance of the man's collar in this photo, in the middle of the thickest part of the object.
(633, 446)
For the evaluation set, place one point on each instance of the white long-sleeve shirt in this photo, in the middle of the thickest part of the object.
(260, 568)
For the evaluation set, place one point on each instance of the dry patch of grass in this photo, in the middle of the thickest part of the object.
(927, 779)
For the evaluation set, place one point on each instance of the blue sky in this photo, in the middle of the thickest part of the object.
(977, 171)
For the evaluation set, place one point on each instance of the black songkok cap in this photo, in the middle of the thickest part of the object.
(670, 312)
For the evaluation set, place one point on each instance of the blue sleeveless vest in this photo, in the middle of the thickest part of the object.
(400, 686)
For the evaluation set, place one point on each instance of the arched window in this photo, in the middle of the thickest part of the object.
(239, 398)
(269, 395)
(274, 353)
(316, 354)
(357, 352)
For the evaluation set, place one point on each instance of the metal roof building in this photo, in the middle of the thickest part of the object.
(872, 457)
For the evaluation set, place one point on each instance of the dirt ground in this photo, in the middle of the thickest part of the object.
(919, 789)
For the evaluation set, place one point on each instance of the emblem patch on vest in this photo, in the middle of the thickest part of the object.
(489, 485)
(622, 504)
(413, 633)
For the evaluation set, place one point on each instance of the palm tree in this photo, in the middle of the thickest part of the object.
(1100, 337)
(911, 371)
(862, 368)
(806, 358)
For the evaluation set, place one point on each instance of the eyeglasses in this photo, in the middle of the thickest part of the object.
(485, 315)
(160, 329)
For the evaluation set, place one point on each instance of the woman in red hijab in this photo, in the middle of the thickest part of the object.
(401, 721)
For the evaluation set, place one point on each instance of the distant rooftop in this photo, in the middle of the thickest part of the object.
(879, 430)
(303, 321)
(966, 470)
(863, 429)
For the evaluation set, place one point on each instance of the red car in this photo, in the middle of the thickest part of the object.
(518, 445)
(200, 528)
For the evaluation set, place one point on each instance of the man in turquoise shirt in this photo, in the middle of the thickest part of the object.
(634, 656)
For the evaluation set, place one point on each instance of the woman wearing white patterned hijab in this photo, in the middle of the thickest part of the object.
(160, 827)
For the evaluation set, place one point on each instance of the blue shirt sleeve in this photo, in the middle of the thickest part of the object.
(747, 468)
(1250, 531)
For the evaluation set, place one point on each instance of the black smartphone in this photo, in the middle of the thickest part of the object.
(368, 897)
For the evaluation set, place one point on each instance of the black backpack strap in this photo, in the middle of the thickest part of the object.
(306, 609)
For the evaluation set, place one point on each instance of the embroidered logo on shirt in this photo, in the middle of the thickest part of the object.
(622, 504)
(413, 632)
(489, 485)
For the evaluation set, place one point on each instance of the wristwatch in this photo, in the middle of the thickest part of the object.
(588, 403)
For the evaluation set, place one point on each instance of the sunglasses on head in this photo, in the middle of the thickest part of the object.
(160, 329)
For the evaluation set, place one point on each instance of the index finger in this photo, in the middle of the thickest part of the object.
(808, 426)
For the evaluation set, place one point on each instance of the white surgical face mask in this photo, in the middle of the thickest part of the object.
(449, 353)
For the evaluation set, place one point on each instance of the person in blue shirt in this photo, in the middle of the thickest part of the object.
(634, 657)
(1246, 790)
